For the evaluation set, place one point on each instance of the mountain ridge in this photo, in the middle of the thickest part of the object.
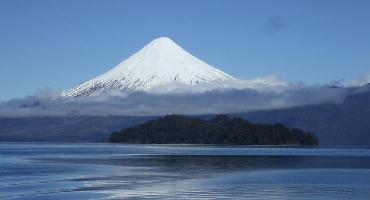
(343, 124)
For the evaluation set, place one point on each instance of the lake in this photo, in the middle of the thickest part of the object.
(113, 171)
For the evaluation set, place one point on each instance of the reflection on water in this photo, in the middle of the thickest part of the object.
(103, 171)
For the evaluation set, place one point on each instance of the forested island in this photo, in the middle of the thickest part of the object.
(176, 129)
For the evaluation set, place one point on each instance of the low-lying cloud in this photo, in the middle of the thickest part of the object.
(230, 97)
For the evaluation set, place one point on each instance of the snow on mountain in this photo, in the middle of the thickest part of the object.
(160, 62)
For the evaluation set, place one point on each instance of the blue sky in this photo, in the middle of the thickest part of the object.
(57, 44)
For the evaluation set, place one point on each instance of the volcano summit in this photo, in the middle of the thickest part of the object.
(160, 62)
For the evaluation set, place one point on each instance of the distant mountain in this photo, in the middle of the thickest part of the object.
(161, 61)
(64, 129)
(345, 124)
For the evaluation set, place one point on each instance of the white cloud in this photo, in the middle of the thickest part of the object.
(229, 97)
(360, 81)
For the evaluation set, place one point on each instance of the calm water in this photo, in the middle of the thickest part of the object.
(103, 171)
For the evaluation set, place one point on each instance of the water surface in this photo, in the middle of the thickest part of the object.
(111, 171)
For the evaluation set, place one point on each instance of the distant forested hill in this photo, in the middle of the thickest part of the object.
(221, 129)
(64, 129)
(346, 124)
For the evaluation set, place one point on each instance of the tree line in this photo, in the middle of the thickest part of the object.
(175, 129)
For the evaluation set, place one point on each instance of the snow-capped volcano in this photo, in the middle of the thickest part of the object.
(160, 62)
